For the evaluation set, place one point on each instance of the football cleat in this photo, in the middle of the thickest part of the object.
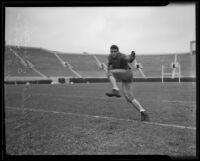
(144, 116)
(114, 93)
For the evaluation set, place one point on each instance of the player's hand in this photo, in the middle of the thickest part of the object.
(133, 54)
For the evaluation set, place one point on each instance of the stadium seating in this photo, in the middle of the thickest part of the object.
(84, 64)
(14, 67)
(49, 65)
(44, 61)
(188, 65)
(152, 65)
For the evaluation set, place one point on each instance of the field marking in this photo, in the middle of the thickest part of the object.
(102, 117)
(68, 96)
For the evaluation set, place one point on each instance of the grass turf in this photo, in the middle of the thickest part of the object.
(44, 132)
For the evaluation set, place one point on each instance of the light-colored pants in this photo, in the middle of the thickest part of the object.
(121, 74)
(126, 77)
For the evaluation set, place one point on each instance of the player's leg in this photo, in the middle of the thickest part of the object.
(120, 74)
(112, 80)
(128, 94)
(115, 89)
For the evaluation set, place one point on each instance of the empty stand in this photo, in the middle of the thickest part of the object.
(152, 63)
(36, 62)
(85, 65)
(44, 61)
(188, 65)
(14, 66)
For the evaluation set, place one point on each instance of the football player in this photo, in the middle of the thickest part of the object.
(118, 69)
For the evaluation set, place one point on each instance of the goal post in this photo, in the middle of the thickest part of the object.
(163, 73)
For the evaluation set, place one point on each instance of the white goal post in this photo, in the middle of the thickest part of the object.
(174, 73)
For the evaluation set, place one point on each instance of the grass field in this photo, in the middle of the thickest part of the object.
(79, 119)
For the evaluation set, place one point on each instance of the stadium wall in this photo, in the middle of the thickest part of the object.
(63, 80)
(156, 79)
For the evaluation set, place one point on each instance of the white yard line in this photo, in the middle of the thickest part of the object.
(101, 117)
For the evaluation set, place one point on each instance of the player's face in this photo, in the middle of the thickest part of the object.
(114, 52)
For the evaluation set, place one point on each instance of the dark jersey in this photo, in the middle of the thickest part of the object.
(119, 62)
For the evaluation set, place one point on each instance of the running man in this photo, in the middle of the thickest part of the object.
(118, 68)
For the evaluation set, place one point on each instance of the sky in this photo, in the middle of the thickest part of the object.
(146, 30)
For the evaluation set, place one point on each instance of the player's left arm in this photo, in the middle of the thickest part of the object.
(130, 58)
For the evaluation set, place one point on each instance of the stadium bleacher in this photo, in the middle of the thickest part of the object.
(44, 61)
(188, 65)
(152, 64)
(84, 64)
(14, 67)
(47, 63)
